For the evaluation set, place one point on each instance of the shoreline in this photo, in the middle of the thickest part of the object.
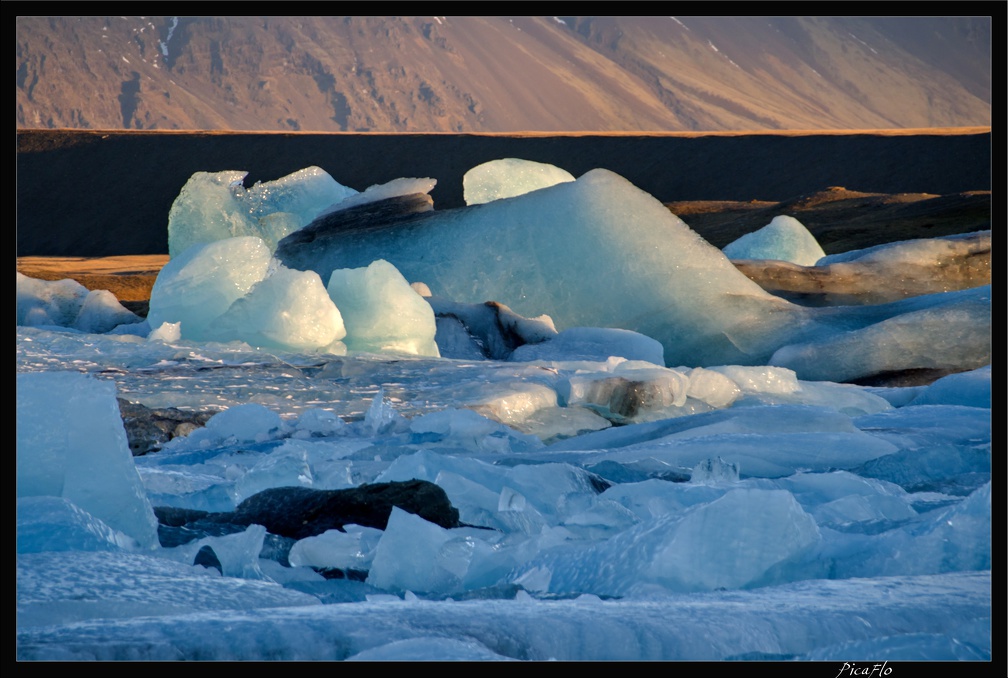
(891, 131)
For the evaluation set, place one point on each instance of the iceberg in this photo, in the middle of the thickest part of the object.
(198, 285)
(216, 206)
(784, 238)
(382, 312)
(71, 444)
(508, 177)
(67, 303)
(595, 252)
(288, 310)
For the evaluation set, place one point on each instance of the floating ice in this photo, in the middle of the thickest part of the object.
(711, 387)
(67, 303)
(71, 444)
(466, 428)
(488, 330)
(733, 505)
(215, 206)
(844, 501)
(631, 391)
(199, 284)
(715, 470)
(382, 416)
(592, 343)
(437, 561)
(596, 252)
(916, 252)
(429, 648)
(815, 438)
(730, 542)
(166, 332)
(318, 423)
(784, 238)
(880, 274)
(971, 388)
(40, 302)
(548, 542)
(237, 554)
(287, 310)
(118, 586)
(395, 188)
(245, 423)
(57, 524)
(508, 177)
(949, 331)
(382, 312)
(352, 549)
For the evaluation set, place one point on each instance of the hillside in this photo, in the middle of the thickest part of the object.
(502, 74)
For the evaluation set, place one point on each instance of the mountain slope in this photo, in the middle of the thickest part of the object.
(502, 74)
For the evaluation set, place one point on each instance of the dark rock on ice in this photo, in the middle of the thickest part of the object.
(207, 557)
(336, 573)
(177, 526)
(299, 512)
(173, 516)
(147, 429)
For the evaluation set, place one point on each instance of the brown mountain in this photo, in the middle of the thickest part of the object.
(502, 74)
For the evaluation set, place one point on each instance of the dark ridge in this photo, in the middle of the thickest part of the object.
(107, 193)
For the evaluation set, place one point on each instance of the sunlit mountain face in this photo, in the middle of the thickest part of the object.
(502, 74)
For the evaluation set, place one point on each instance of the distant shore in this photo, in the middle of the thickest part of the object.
(84, 193)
